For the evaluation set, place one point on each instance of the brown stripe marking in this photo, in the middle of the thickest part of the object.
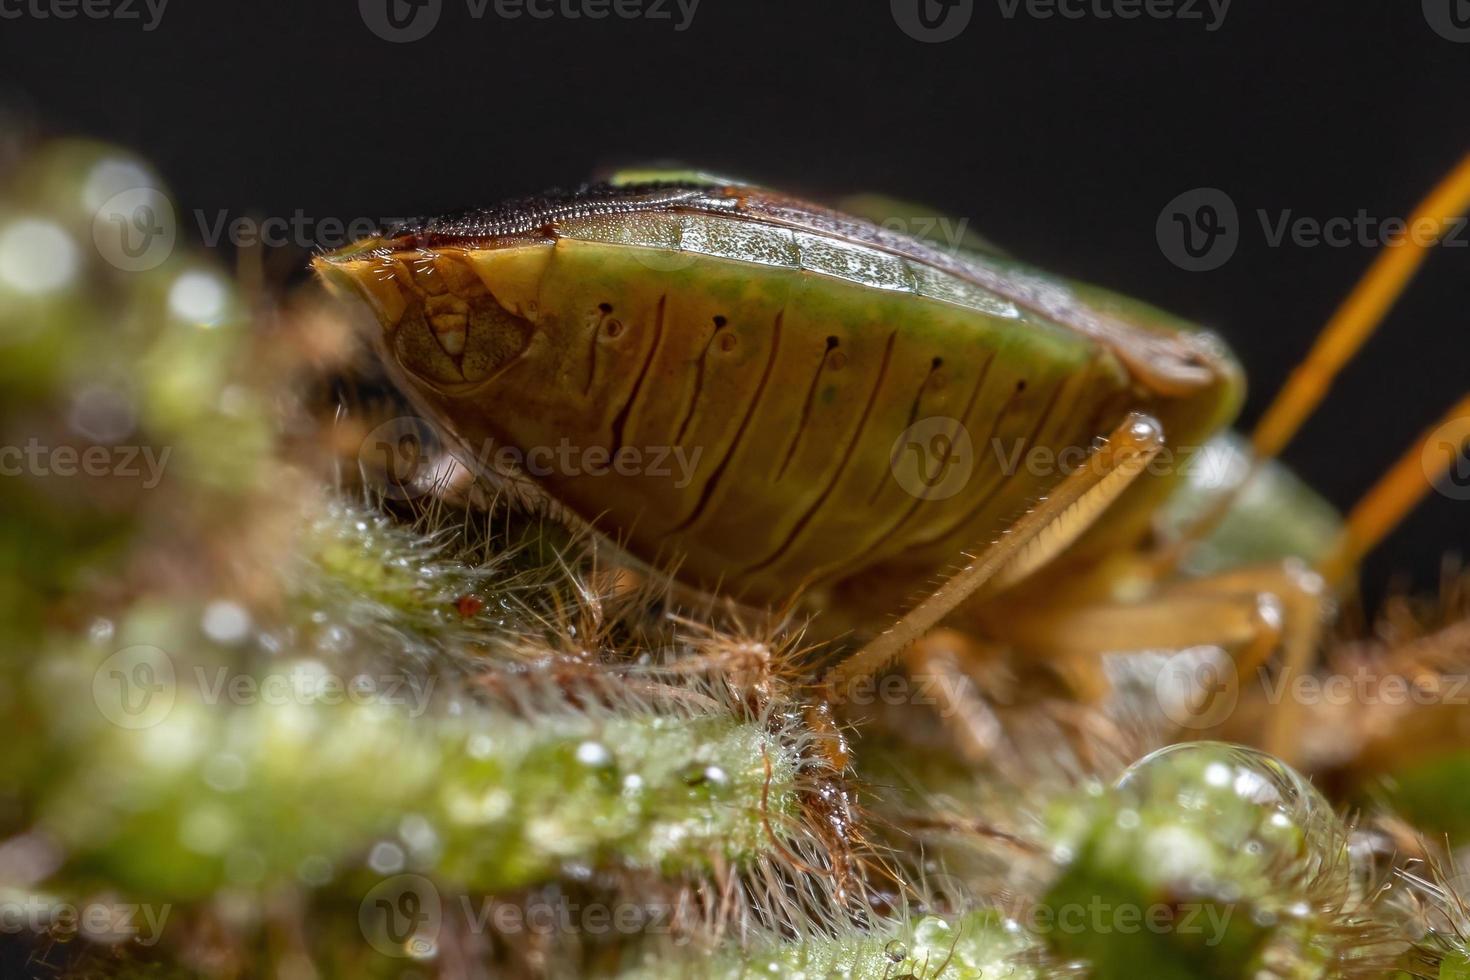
(934, 367)
(841, 467)
(622, 417)
(760, 391)
(806, 408)
(920, 501)
(1027, 444)
(698, 383)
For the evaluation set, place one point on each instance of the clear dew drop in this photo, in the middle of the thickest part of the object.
(386, 858)
(111, 176)
(594, 755)
(101, 631)
(36, 257)
(225, 622)
(102, 413)
(706, 776)
(314, 870)
(225, 772)
(198, 297)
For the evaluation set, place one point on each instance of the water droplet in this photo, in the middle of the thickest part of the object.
(594, 755)
(386, 858)
(101, 630)
(418, 834)
(225, 772)
(226, 622)
(896, 951)
(101, 413)
(699, 774)
(1237, 801)
(36, 256)
(314, 870)
(198, 297)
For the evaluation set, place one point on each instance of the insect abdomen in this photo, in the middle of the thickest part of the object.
(788, 393)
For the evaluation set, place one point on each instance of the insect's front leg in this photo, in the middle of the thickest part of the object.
(1047, 529)
(1054, 523)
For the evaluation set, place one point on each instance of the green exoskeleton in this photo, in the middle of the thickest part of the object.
(857, 410)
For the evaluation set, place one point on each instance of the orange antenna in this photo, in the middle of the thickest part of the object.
(1342, 337)
(1362, 312)
(1398, 491)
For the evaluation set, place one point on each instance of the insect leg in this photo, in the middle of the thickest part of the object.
(1033, 540)
(939, 657)
(1253, 611)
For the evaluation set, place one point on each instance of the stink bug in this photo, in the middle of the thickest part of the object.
(823, 374)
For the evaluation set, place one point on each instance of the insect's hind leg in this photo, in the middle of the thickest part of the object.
(1252, 612)
(944, 662)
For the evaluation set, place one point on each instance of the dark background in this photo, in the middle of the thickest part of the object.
(1060, 139)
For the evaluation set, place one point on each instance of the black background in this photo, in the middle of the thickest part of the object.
(1060, 139)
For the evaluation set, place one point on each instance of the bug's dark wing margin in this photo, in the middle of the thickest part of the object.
(1166, 361)
(541, 214)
